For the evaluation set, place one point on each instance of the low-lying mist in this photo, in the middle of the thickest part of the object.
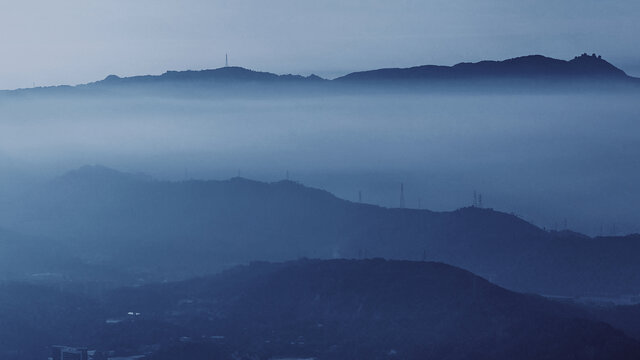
(556, 160)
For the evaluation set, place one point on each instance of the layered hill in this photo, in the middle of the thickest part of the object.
(176, 230)
(374, 309)
(335, 309)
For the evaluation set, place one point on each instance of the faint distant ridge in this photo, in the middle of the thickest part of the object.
(98, 174)
(590, 72)
(526, 72)
(539, 67)
(230, 74)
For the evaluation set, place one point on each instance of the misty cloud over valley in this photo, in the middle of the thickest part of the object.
(550, 158)
(483, 210)
(320, 180)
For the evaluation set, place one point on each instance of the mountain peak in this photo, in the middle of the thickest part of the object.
(112, 78)
(531, 67)
(596, 65)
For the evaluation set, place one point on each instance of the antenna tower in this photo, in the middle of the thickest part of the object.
(226, 60)
(402, 195)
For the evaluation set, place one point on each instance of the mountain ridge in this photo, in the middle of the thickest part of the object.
(531, 66)
(195, 227)
(223, 74)
(519, 71)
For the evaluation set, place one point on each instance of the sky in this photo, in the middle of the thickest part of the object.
(77, 41)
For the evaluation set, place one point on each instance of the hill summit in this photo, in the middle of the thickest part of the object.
(582, 67)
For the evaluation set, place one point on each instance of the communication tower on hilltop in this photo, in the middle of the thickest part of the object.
(402, 195)
(226, 60)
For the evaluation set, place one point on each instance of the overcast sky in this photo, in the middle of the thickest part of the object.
(75, 41)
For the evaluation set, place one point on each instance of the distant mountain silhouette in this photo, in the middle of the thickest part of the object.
(181, 229)
(582, 72)
(534, 67)
(225, 75)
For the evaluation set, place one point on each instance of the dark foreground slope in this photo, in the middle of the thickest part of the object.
(379, 309)
(624, 317)
(336, 309)
(176, 230)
